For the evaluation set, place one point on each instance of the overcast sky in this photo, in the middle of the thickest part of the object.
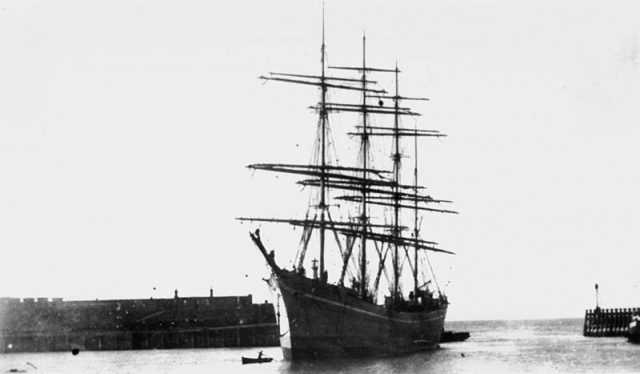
(125, 127)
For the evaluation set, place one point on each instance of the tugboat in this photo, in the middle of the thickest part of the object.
(340, 316)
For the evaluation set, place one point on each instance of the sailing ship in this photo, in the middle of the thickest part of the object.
(342, 316)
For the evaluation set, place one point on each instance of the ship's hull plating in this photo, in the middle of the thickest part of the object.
(328, 321)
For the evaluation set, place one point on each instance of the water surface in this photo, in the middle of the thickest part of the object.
(539, 346)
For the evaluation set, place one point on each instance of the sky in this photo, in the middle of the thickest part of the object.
(126, 126)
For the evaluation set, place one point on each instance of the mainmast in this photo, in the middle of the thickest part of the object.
(323, 125)
(365, 155)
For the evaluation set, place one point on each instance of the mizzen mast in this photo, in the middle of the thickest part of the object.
(396, 157)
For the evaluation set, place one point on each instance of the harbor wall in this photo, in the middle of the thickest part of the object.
(601, 322)
(38, 325)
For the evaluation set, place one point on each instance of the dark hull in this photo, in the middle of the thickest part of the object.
(329, 321)
(453, 336)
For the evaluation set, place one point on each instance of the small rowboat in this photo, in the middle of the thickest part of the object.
(249, 360)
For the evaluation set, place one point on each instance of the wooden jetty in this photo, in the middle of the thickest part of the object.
(601, 322)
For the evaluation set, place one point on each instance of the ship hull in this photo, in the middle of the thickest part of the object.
(329, 321)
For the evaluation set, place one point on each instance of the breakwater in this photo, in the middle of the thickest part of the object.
(30, 325)
(601, 322)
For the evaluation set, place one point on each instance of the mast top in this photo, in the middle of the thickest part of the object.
(323, 27)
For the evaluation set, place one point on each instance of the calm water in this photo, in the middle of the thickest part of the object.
(545, 346)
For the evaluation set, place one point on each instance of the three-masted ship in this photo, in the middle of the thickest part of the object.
(361, 209)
